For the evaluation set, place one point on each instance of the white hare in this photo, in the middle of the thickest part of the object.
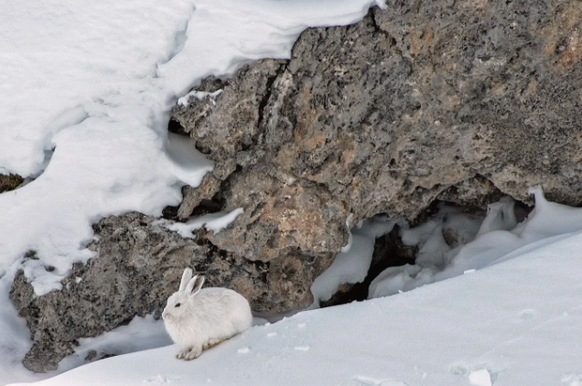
(198, 319)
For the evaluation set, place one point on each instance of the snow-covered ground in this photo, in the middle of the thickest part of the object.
(516, 322)
(85, 92)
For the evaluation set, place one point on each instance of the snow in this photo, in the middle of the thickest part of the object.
(500, 216)
(183, 101)
(478, 243)
(139, 334)
(86, 88)
(480, 378)
(347, 247)
(351, 265)
(212, 221)
(571, 379)
(517, 320)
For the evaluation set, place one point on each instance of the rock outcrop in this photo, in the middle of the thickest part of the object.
(458, 101)
(9, 182)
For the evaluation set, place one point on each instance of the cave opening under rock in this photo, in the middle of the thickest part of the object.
(395, 249)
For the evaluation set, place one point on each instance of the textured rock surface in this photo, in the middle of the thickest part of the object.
(454, 100)
(9, 182)
(135, 268)
(460, 101)
(505, 79)
(390, 113)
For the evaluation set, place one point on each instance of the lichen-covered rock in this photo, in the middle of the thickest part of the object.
(135, 268)
(462, 102)
(506, 74)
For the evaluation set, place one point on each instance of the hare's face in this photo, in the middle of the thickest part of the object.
(176, 307)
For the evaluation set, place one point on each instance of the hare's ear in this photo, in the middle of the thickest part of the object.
(186, 276)
(195, 284)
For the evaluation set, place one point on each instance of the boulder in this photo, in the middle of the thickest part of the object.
(424, 101)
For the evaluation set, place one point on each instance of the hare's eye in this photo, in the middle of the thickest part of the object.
(177, 305)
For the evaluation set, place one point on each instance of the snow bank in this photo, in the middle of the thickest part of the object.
(352, 264)
(498, 238)
(513, 323)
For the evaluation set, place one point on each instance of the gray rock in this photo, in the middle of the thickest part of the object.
(505, 74)
(462, 102)
(195, 197)
(9, 182)
(135, 268)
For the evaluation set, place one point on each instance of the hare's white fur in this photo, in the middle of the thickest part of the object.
(197, 319)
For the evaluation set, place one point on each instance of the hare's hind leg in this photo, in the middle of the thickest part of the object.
(212, 342)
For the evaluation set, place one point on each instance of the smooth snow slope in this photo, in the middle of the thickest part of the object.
(514, 323)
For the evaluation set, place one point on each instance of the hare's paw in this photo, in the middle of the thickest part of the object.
(189, 353)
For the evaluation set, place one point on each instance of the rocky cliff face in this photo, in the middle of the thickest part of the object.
(427, 100)
(456, 101)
